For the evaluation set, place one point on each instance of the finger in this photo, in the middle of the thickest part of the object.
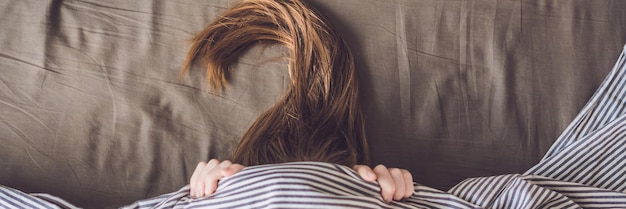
(408, 180)
(365, 172)
(201, 184)
(398, 179)
(225, 163)
(212, 163)
(196, 172)
(194, 178)
(387, 186)
(211, 179)
(232, 169)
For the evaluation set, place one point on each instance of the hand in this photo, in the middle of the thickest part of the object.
(204, 179)
(395, 184)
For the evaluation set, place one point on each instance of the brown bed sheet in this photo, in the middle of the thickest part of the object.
(92, 110)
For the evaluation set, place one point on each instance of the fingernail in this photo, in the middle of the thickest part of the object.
(370, 174)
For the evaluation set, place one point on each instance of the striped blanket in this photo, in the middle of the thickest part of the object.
(585, 168)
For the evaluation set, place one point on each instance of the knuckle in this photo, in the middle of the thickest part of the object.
(395, 171)
(212, 163)
(380, 166)
(225, 163)
(407, 174)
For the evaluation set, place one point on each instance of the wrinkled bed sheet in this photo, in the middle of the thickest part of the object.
(92, 108)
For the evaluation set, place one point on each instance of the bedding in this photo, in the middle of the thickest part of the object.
(92, 109)
(584, 169)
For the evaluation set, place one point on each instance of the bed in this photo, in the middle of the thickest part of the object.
(93, 110)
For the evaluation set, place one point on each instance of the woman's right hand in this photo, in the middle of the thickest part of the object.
(204, 179)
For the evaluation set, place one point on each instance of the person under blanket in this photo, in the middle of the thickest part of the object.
(318, 119)
(305, 151)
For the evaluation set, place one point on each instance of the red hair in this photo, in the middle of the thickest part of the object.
(319, 117)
